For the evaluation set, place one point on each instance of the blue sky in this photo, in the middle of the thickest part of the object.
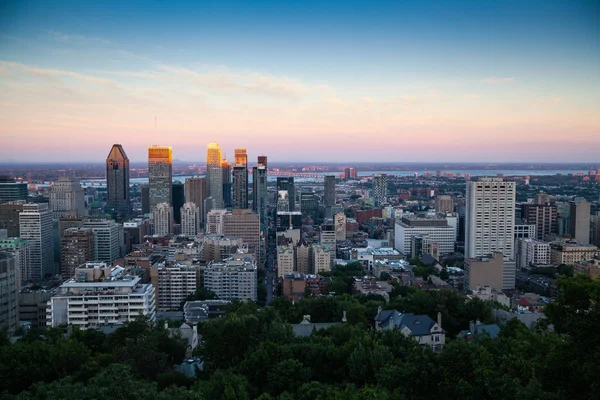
(392, 71)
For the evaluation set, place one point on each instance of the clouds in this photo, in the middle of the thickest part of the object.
(495, 80)
(78, 39)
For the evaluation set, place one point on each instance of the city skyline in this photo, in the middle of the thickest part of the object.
(400, 81)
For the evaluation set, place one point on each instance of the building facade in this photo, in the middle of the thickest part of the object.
(11, 190)
(234, 278)
(214, 174)
(579, 227)
(162, 219)
(437, 230)
(244, 224)
(195, 192)
(117, 181)
(35, 225)
(172, 284)
(160, 175)
(190, 219)
(380, 188)
(108, 239)
(67, 199)
(76, 248)
(9, 292)
(260, 194)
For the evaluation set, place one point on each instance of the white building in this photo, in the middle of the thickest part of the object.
(172, 284)
(490, 217)
(100, 295)
(340, 226)
(67, 198)
(436, 229)
(214, 221)
(108, 239)
(531, 253)
(35, 225)
(286, 260)
(234, 278)
(162, 219)
(190, 219)
(321, 259)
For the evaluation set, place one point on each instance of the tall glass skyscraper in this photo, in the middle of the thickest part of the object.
(214, 174)
(240, 179)
(160, 175)
(117, 180)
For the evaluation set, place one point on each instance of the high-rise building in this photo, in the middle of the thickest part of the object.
(195, 192)
(111, 297)
(117, 181)
(444, 204)
(244, 224)
(531, 253)
(219, 247)
(214, 222)
(283, 201)
(240, 186)
(308, 203)
(380, 188)
(145, 192)
(35, 225)
(259, 191)
(9, 217)
(162, 219)
(303, 257)
(544, 216)
(329, 191)
(21, 250)
(321, 259)
(490, 217)
(340, 226)
(214, 174)
(227, 183)
(67, 198)
(108, 239)
(9, 288)
(172, 284)
(76, 248)
(190, 219)
(241, 158)
(134, 231)
(160, 175)
(234, 278)
(286, 261)
(10, 190)
(287, 183)
(350, 173)
(178, 200)
(580, 221)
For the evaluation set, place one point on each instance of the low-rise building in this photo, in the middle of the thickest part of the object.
(201, 310)
(487, 293)
(491, 271)
(569, 253)
(420, 327)
(100, 295)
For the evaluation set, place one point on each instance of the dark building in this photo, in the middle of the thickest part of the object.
(289, 220)
(362, 216)
(309, 203)
(226, 176)
(287, 183)
(544, 216)
(195, 192)
(259, 191)
(240, 186)
(9, 217)
(329, 192)
(10, 190)
(76, 248)
(145, 189)
(117, 181)
(178, 193)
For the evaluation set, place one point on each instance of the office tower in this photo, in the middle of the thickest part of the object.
(10, 190)
(76, 248)
(214, 221)
(190, 219)
(195, 192)
(173, 282)
(35, 225)
(9, 288)
(227, 185)
(108, 239)
(287, 184)
(490, 217)
(340, 226)
(162, 219)
(329, 192)
(21, 250)
(111, 296)
(9, 217)
(145, 191)
(134, 232)
(244, 224)
(308, 203)
(580, 221)
(117, 181)
(444, 204)
(234, 278)
(259, 191)
(160, 175)
(380, 188)
(214, 174)
(178, 200)
(240, 179)
(544, 216)
(66, 198)
(434, 229)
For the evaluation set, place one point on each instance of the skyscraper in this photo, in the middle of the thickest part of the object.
(580, 221)
(162, 219)
(380, 187)
(544, 217)
(76, 248)
(214, 174)
(259, 190)
(226, 178)
(178, 200)
(67, 199)
(240, 179)
(10, 190)
(329, 191)
(195, 192)
(9, 217)
(160, 175)
(490, 217)
(287, 184)
(117, 180)
(108, 239)
(190, 219)
(35, 225)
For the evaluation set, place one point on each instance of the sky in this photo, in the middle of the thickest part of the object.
(405, 81)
